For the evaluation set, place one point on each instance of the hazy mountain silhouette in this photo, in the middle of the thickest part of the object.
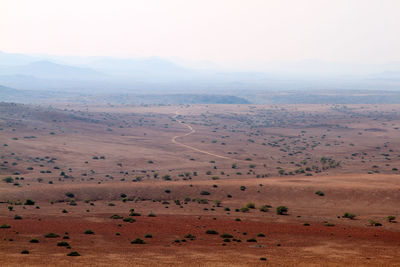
(49, 70)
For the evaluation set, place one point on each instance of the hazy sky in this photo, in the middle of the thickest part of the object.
(222, 31)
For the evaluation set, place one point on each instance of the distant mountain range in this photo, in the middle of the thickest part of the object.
(141, 76)
(49, 70)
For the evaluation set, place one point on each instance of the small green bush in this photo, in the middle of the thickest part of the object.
(250, 205)
(204, 193)
(62, 244)
(190, 236)
(281, 210)
(349, 215)
(374, 223)
(29, 202)
(129, 220)
(138, 241)
(391, 218)
(211, 232)
(51, 235)
(265, 208)
(69, 194)
(88, 232)
(8, 179)
(244, 209)
(226, 235)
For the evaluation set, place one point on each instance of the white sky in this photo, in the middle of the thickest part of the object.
(222, 31)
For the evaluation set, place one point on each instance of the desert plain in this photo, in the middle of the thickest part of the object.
(199, 185)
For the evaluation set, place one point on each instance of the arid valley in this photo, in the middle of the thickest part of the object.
(214, 185)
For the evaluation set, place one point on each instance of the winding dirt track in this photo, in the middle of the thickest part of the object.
(192, 131)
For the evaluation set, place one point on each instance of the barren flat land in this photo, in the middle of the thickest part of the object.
(199, 185)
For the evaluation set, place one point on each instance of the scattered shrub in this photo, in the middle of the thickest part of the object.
(211, 232)
(51, 235)
(349, 215)
(281, 210)
(73, 254)
(138, 241)
(244, 209)
(129, 220)
(190, 236)
(62, 244)
(374, 223)
(8, 179)
(29, 202)
(265, 208)
(204, 193)
(226, 235)
(250, 205)
(391, 218)
(69, 194)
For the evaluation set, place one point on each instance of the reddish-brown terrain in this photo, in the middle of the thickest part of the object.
(195, 168)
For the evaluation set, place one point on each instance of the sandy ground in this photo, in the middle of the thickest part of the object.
(113, 159)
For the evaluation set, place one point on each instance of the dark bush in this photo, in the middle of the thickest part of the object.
(62, 244)
(128, 219)
(51, 235)
(204, 193)
(226, 235)
(89, 232)
(73, 253)
(281, 210)
(138, 241)
(69, 194)
(349, 215)
(29, 202)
